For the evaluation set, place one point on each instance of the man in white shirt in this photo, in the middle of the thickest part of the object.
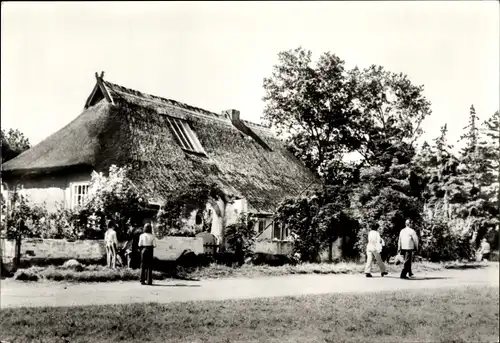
(373, 250)
(407, 244)
(147, 243)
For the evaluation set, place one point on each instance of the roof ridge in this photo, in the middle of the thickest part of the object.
(152, 97)
(255, 124)
(174, 103)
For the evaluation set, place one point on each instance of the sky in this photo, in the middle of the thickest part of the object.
(215, 55)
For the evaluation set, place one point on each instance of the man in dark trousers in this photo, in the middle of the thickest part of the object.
(407, 244)
(147, 243)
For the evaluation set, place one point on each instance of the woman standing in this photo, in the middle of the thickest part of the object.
(147, 243)
(373, 250)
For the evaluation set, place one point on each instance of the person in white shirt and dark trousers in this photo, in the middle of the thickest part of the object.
(373, 250)
(147, 243)
(407, 244)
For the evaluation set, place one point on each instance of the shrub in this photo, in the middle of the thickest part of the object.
(24, 219)
(317, 219)
(272, 259)
(439, 242)
(112, 197)
(34, 221)
(241, 236)
(92, 273)
(22, 275)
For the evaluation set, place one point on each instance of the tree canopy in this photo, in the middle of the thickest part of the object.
(326, 110)
(13, 143)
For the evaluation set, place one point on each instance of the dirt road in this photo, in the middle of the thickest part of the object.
(17, 294)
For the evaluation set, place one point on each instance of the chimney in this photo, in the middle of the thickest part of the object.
(234, 115)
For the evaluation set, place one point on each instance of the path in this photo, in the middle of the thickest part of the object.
(16, 294)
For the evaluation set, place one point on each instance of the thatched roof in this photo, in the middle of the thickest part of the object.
(126, 127)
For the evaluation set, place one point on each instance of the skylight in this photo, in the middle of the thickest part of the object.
(185, 136)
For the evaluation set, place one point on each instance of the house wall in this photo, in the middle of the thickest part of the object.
(53, 189)
(234, 210)
(274, 247)
(170, 248)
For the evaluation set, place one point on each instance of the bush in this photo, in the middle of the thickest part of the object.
(316, 219)
(440, 243)
(112, 197)
(188, 259)
(241, 236)
(272, 259)
(92, 273)
(226, 258)
(34, 221)
(22, 275)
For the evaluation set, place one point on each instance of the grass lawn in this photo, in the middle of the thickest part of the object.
(447, 315)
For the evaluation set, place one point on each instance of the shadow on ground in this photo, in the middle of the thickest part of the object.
(418, 278)
(174, 285)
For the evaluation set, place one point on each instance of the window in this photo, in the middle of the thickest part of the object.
(184, 135)
(279, 231)
(262, 225)
(78, 192)
(276, 231)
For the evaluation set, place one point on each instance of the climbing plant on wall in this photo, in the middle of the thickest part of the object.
(181, 203)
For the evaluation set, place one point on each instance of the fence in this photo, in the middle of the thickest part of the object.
(210, 245)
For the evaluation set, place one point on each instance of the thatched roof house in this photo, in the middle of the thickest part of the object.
(168, 144)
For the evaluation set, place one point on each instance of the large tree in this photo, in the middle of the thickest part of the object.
(437, 165)
(13, 143)
(475, 207)
(326, 110)
(490, 150)
(387, 196)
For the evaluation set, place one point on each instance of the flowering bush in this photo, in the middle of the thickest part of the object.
(29, 220)
(22, 219)
(113, 197)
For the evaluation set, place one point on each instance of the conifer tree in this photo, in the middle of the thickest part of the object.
(475, 206)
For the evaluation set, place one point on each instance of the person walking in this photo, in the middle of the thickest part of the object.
(407, 244)
(111, 242)
(147, 243)
(373, 250)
